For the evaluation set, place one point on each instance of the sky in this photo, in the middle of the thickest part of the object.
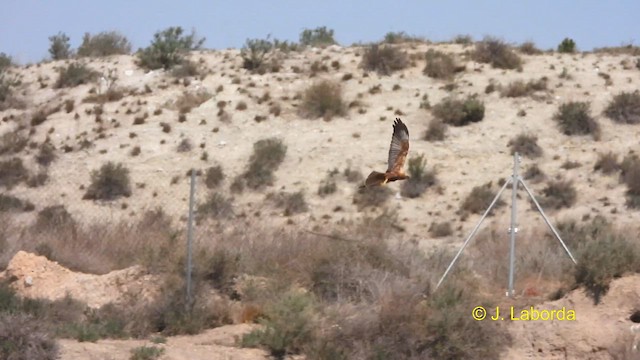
(26, 25)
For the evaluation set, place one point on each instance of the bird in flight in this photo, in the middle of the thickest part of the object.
(397, 156)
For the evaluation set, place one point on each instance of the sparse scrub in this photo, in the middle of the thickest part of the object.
(12, 142)
(558, 194)
(440, 65)
(328, 185)
(46, 154)
(574, 118)
(519, 88)
(497, 53)
(631, 177)
(267, 156)
(104, 44)
(607, 163)
(75, 74)
(10, 203)
(290, 203)
(24, 337)
(526, 145)
(213, 177)
(529, 48)
(146, 353)
(534, 174)
(184, 146)
(420, 179)
(318, 37)
(168, 49)
(109, 183)
(457, 112)
(624, 108)
(189, 100)
(216, 206)
(400, 37)
(436, 131)
(567, 46)
(323, 99)
(372, 197)
(59, 47)
(384, 59)
(54, 216)
(258, 56)
(480, 198)
(12, 172)
(440, 229)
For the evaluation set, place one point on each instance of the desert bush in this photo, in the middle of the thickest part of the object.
(46, 154)
(399, 37)
(607, 163)
(567, 45)
(526, 145)
(495, 52)
(54, 216)
(12, 172)
(319, 37)
(372, 197)
(267, 156)
(436, 131)
(440, 65)
(189, 100)
(420, 179)
(258, 56)
(110, 182)
(463, 39)
(24, 337)
(184, 145)
(630, 174)
(529, 48)
(323, 99)
(574, 118)
(8, 98)
(187, 68)
(146, 353)
(558, 194)
(59, 47)
(213, 177)
(290, 203)
(6, 62)
(12, 142)
(328, 185)
(441, 229)
(534, 173)
(480, 198)
(104, 44)
(168, 48)
(384, 59)
(75, 74)
(216, 206)
(457, 112)
(12, 203)
(38, 179)
(624, 108)
(519, 88)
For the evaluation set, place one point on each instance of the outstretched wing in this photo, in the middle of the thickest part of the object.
(399, 147)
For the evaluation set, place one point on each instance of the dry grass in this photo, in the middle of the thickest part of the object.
(520, 88)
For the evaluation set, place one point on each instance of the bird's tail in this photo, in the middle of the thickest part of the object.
(374, 179)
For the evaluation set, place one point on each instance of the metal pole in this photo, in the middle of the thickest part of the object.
(190, 235)
(514, 226)
(546, 220)
(466, 242)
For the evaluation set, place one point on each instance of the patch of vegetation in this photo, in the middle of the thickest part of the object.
(109, 183)
(213, 177)
(8, 97)
(189, 100)
(328, 185)
(12, 172)
(290, 203)
(372, 197)
(479, 199)
(168, 48)
(46, 154)
(457, 112)
(526, 145)
(624, 108)
(495, 52)
(567, 46)
(436, 131)
(267, 156)
(519, 88)
(146, 353)
(59, 47)
(558, 194)
(25, 337)
(12, 142)
(574, 118)
(216, 206)
(607, 163)
(384, 59)
(630, 172)
(75, 74)
(420, 179)
(323, 99)
(52, 217)
(441, 229)
(12, 203)
(529, 48)
(533, 174)
(400, 37)
(318, 37)
(259, 56)
(440, 65)
(105, 43)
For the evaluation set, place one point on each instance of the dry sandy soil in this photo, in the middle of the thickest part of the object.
(469, 156)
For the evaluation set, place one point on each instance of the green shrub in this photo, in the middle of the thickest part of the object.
(6, 62)
(399, 37)
(497, 53)
(458, 112)
(267, 156)
(567, 46)
(480, 198)
(624, 108)
(23, 337)
(323, 99)
(420, 179)
(146, 353)
(75, 74)
(168, 49)
(59, 48)
(558, 194)
(526, 145)
(320, 36)
(440, 65)
(257, 55)
(216, 206)
(52, 217)
(574, 118)
(109, 183)
(384, 59)
(104, 44)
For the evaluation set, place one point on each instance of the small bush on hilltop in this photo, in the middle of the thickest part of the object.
(419, 180)
(458, 112)
(258, 56)
(323, 99)
(75, 74)
(574, 118)
(440, 65)
(497, 53)
(104, 44)
(624, 108)
(109, 183)
(567, 46)
(168, 48)
(60, 48)
(320, 36)
(384, 59)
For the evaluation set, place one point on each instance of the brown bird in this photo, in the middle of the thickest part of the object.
(397, 156)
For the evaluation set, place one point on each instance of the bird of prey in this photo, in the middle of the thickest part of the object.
(397, 156)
